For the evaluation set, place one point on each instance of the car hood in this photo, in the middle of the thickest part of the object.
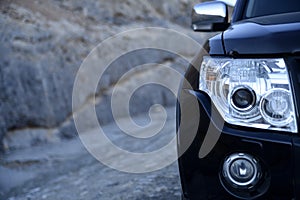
(265, 35)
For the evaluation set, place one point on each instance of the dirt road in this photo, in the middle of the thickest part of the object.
(67, 171)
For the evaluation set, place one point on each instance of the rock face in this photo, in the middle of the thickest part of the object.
(44, 42)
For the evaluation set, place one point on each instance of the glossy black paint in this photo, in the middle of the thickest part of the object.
(215, 45)
(200, 177)
(238, 14)
(252, 38)
(279, 153)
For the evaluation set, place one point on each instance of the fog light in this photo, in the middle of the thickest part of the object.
(241, 170)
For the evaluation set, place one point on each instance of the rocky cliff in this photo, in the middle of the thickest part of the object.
(44, 42)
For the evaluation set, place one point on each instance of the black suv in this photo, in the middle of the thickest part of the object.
(238, 108)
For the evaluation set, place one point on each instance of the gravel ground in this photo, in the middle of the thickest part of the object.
(67, 171)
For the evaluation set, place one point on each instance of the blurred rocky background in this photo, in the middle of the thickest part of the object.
(42, 45)
(44, 42)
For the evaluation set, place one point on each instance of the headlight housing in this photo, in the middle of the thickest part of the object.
(250, 92)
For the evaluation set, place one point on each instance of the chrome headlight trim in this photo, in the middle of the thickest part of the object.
(220, 77)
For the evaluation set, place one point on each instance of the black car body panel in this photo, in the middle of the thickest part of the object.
(216, 46)
(201, 176)
(252, 38)
(274, 36)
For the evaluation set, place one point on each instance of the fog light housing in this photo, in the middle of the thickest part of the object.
(241, 170)
(244, 176)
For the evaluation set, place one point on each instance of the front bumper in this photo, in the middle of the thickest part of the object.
(201, 177)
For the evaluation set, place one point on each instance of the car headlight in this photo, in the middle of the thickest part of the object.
(250, 92)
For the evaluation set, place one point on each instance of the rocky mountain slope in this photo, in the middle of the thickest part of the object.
(44, 42)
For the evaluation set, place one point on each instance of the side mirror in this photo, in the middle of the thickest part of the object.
(210, 16)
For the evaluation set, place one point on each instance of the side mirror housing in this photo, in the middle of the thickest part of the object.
(210, 16)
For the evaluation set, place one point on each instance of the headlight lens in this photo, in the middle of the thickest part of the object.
(250, 92)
